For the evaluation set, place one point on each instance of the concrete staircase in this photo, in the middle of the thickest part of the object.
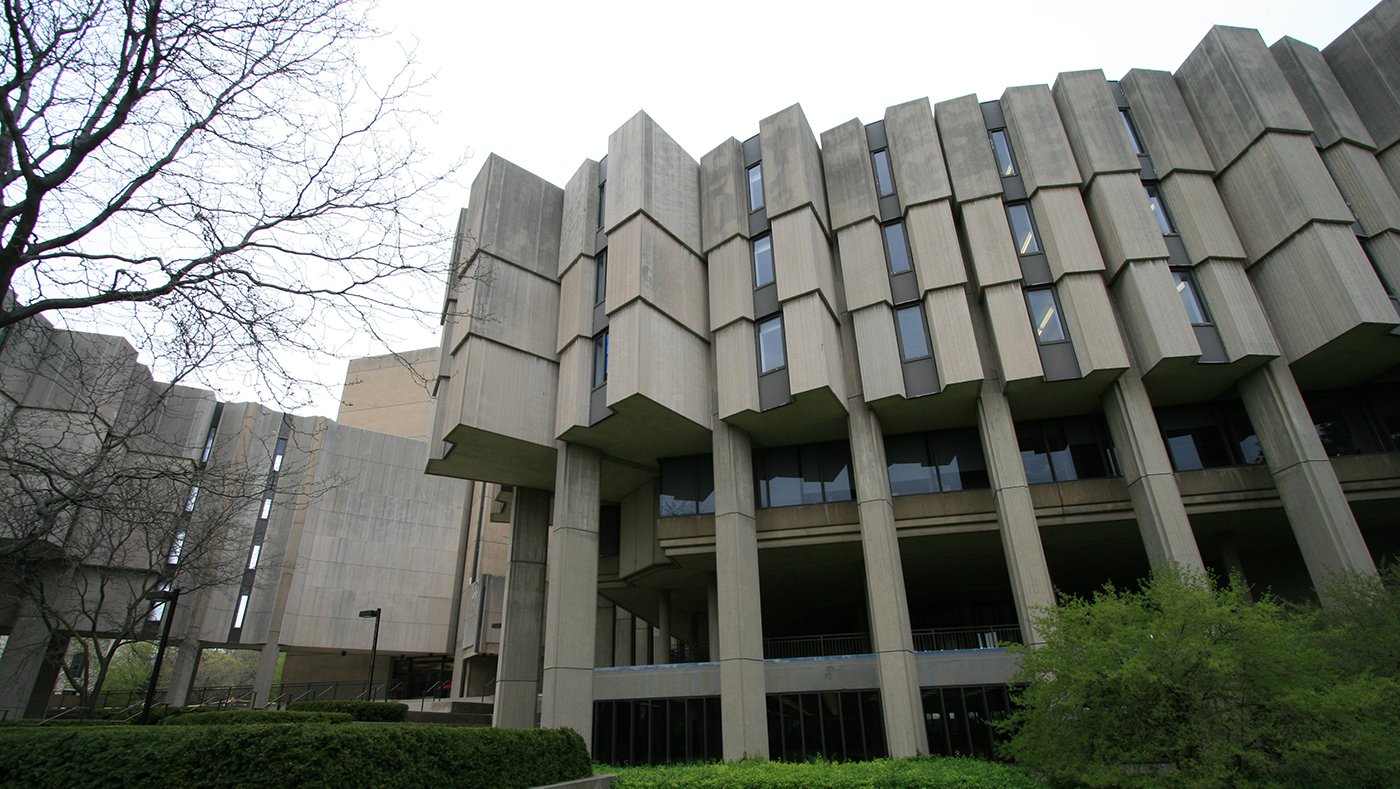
(449, 712)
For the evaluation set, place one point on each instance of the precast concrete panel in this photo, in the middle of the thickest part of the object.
(1156, 321)
(1363, 60)
(645, 262)
(505, 391)
(933, 237)
(1276, 188)
(864, 272)
(1327, 106)
(724, 201)
(1092, 123)
(1017, 356)
(736, 368)
(575, 383)
(1065, 234)
(576, 285)
(1165, 124)
(578, 229)
(850, 179)
(639, 550)
(962, 134)
(1098, 344)
(1200, 217)
(501, 290)
(954, 342)
(989, 242)
(1042, 150)
(792, 165)
(1365, 186)
(919, 172)
(1123, 221)
(730, 273)
(515, 215)
(1385, 252)
(650, 172)
(802, 259)
(814, 353)
(877, 349)
(652, 355)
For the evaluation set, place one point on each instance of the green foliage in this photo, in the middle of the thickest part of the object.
(278, 755)
(379, 711)
(244, 717)
(892, 773)
(229, 667)
(1185, 683)
(130, 669)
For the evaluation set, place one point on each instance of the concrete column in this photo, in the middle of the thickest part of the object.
(182, 673)
(518, 668)
(712, 619)
(605, 622)
(743, 703)
(573, 591)
(267, 669)
(1161, 517)
(622, 638)
(1322, 522)
(662, 651)
(29, 667)
(886, 603)
(1020, 536)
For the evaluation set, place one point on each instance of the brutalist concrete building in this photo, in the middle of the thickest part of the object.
(834, 414)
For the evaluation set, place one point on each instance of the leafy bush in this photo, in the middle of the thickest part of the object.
(244, 717)
(382, 711)
(891, 773)
(279, 755)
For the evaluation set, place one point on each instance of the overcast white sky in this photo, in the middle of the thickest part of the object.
(544, 84)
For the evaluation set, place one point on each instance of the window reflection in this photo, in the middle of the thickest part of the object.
(771, 354)
(935, 462)
(913, 339)
(809, 474)
(1061, 450)
(1001, 149)
(896, 248)
(1022, 229)
(1045, 316)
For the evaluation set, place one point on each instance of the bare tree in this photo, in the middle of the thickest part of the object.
(222, 177)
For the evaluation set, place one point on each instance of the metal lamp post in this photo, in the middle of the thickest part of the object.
(170, 597)
(373, 650)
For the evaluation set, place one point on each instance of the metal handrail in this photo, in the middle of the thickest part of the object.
(939, 639)
(819, 645)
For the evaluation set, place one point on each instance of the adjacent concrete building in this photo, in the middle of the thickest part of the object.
(798, 432)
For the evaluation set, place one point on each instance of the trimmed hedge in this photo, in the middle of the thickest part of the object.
(280, 755)
(925, 771)
(244, 717)
(380, 711)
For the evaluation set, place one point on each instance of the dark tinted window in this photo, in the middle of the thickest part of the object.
(809, 474)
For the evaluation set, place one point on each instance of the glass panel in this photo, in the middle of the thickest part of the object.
(1088, 446)
(913, 340)
(1061, 461)
(896, 248)
(958, 456)
(1132, 133)
(1001, 148)
(762, 261)
(836, 472)
(677, 487)
(194, 497)
(783, 478)
(1186, 288)
(600, 279)
(602, 203)
(884, 178)
(1194, 438)
(935, 721)
(600, 360)
(208, 445)
(771, 355)
(811, 474)
(253, 557)
(1159, 210)
(278, 453)
(175, 548)
(1033, 454)
(266, 509)
(1045, 316)
(242, 611)
(755, 187)
(1022, 229)
(705, 476)
(909, 470)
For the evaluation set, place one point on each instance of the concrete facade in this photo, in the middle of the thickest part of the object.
(836, 415)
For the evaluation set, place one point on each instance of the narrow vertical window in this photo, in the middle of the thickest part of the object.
(1190, 299)
(602, 203)
(600, 359)
(194, 497)
(896, 248)
(771, 352)
(1045, 316)
(1001, 149)
(762, 249)
(208, 445)
(254, 555)
(278, 453)
(1138, 147)
(158, 609)
(600, 279)
(913, 339)
(1159, 209)
(884, 176)
(1022, 229)
(176, 548)
(266, 508)
(242, 611)
(755, 175)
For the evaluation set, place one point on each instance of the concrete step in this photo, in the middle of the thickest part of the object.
(450, 718)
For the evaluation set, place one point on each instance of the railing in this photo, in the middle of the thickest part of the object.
(938, 639)
(816, 646)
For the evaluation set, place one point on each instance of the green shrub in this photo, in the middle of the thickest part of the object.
(891, 773)
(390, 711)
(279, 755)
(243, 717)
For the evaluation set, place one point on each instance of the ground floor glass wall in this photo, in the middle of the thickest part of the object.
(843, 726)
(657, 731)
(959, 719)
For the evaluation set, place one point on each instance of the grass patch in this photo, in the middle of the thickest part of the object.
(893, 773)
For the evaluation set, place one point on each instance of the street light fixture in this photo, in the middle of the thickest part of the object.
(373, 650)
(169, 597)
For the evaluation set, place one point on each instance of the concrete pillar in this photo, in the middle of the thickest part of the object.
(573, 591)
(267, 669)
(1322, 522)
(182, 673)
(743, 703)
(886, 602)
(1147, 470)
(1020, 536)
(606, 622)
(662, 651)
(623, 631)
(29, 668)
(518, 669)
(712, 619)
